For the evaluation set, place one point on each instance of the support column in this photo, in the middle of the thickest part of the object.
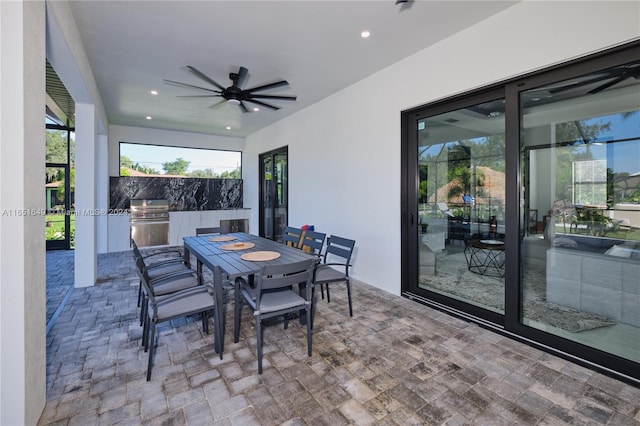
(102, 172)
(22, 199)
(86, 262)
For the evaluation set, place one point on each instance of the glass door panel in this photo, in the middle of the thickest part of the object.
(273, 193)
(461, 205)
(59, 187)
(266, 186)
(281, 194)
(581, 163)
(57, 219)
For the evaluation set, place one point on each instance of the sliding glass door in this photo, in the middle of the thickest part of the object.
(521, 209)
(580, 142)
(274, 193)
(460, 235)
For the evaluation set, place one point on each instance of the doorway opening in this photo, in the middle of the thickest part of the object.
(274, 193)
(59, 187)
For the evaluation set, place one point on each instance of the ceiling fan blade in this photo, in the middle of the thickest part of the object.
(177, 83)
(217, 104)
(284, 98)
(242, 76)
(204, 77)
(609, 84)
(197, 96)
(264, 104)
(243, 107)
(268, 86)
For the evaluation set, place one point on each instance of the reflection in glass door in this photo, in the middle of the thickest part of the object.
(273, 193)
(461, 205)
(581, 147)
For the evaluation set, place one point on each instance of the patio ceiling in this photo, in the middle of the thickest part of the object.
(132, 46)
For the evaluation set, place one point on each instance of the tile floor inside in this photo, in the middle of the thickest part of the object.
(395, 362)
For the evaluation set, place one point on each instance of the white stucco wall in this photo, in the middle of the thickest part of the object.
(344, 152)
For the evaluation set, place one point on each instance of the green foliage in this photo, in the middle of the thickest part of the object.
(126, 162)
(72, 184)
(56, 147)
(206, 173)
(235, 174)
(177, 167)
(144, 169)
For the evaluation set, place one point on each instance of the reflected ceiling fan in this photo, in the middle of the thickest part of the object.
(234, 94)
(591, 83)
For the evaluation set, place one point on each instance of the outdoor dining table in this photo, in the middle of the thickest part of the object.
(225, 255)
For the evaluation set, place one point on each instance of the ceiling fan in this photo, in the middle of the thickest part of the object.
(234, 94)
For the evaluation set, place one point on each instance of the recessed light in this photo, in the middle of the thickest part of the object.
(256, 109)
(228, 127)
(154, 92)
(148, 117)
(365, 34)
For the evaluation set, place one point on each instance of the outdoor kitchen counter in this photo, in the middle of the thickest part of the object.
(181, 224)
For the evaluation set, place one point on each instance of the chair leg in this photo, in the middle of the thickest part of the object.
(152, 334)
(237, 313)
(349, 298)
(145, 334)
(259, 342)
(139, 293)
(309, 330)
(328, 295)
(314, 302)
(143, 306)
(205, 322)
(322, 290)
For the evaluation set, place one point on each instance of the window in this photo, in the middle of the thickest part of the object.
(171, 161)
(590, 183)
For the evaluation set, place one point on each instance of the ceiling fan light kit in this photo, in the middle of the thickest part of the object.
(234, 94)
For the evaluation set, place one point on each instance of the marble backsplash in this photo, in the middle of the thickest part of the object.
(184, 194)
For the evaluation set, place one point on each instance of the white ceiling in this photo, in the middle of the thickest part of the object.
(315, 45)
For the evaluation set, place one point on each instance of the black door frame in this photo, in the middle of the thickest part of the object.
(273, 195)
(64, 244)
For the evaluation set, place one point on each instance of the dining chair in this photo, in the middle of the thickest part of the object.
(159, 267)
(337, 254)
(313, 242)
(273, 296)
(198, 299)
(291, 236)
(210, 230)
(164, 252)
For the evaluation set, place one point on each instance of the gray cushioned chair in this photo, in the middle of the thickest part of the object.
(197, 299)
(273, 296)
(337, 254)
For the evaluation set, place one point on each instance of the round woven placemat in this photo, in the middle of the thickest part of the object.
(257, 256)
(237, 246)
(222, 238)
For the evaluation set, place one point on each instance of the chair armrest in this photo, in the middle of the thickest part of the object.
(164, 263)
(175, 274)
(163, 253)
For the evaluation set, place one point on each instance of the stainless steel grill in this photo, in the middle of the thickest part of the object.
(150, 222)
